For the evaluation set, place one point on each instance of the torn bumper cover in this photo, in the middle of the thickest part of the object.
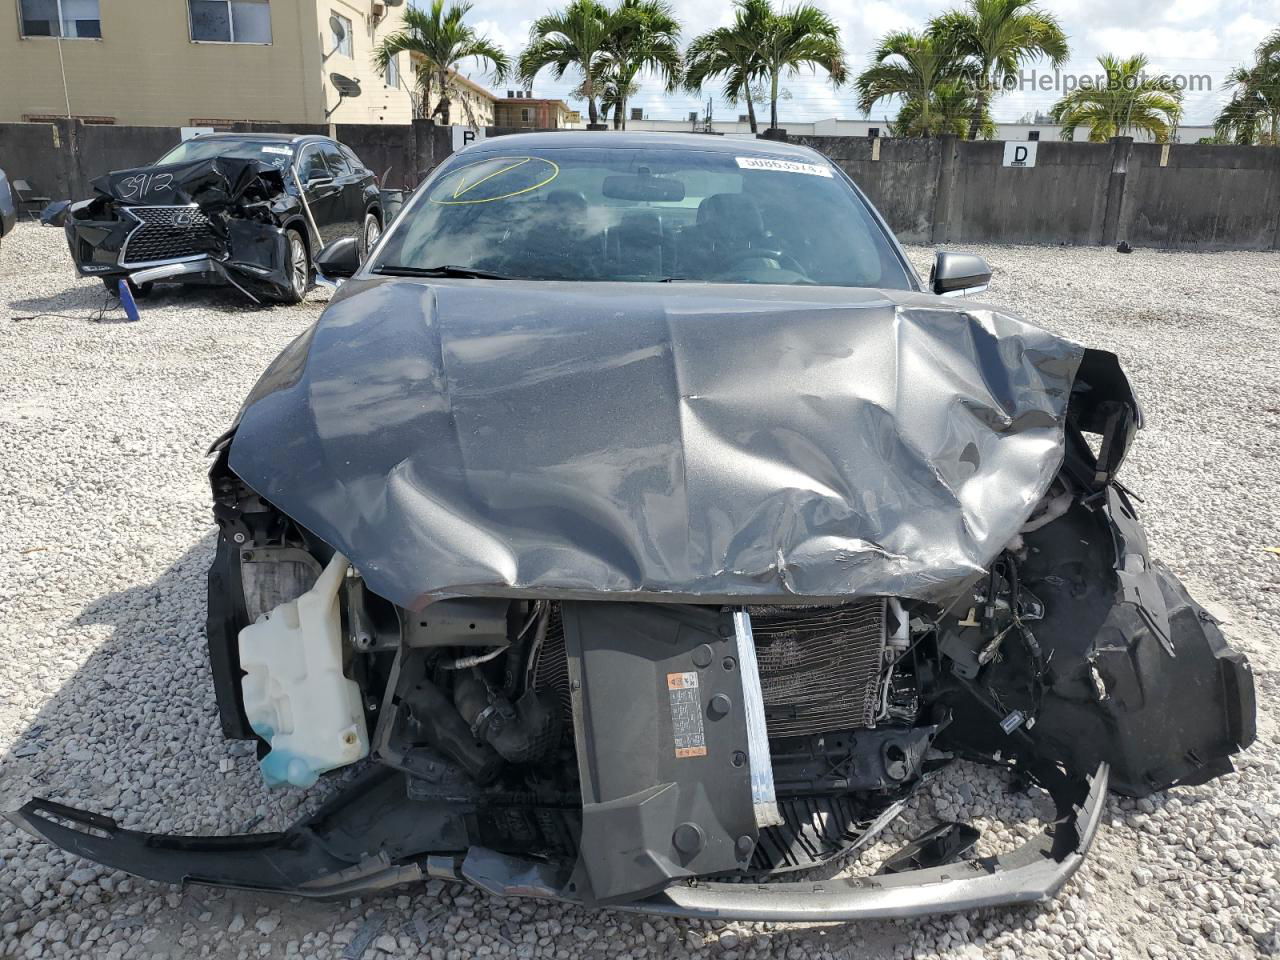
(220, 219)
(299, 862)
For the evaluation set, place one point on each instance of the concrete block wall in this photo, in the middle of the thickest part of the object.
(943, 191)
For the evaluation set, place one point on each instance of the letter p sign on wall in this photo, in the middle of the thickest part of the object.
(1020, 153)
(465, 136)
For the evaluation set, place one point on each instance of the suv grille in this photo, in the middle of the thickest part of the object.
(165, 233)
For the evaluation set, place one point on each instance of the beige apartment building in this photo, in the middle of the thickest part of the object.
(199, 62)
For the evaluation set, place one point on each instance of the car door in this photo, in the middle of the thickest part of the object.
(323, 193)
(349, 181)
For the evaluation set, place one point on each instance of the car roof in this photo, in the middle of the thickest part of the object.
(262, 137)
(624, 140)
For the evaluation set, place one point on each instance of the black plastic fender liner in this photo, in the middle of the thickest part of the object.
(1033, 873)
(1140, 675)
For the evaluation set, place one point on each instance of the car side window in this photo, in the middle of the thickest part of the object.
(312, 165)
(336, 161)
(356, 163)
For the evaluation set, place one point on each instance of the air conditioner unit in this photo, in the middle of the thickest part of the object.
(379, 9)
(393, 3)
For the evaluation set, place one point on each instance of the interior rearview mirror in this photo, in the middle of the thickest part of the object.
(339, 260)
(958, 274)
(643, 187)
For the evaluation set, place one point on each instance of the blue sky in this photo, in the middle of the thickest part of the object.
(1186, 37)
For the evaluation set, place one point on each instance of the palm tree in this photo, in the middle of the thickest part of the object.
(923, 71)
(1129, 101)
(732, 53)
(576, 36)
(998, 36)
(950, 106)
(643, 34)
(799, 37)
(613, 96)
(441, 38)
(1252, 115)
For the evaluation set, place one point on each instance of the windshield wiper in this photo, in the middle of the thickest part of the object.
(444, 270)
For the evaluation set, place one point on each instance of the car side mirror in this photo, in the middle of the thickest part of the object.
(959, 274)
(339, 260)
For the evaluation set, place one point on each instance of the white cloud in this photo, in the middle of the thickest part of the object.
(1157, 42)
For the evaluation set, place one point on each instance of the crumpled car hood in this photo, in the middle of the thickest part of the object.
(682, 442)
(214, 184)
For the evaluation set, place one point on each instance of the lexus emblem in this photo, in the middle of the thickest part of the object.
(183, 219)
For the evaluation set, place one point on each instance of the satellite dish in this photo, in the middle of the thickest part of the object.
(339, 31)
(345, 86)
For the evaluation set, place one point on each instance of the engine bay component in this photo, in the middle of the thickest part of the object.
(820, 667)
(764, 796)
(295, 694)
(676, 801)
(943, 844)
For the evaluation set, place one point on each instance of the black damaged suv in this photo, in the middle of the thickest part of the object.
(251, 210)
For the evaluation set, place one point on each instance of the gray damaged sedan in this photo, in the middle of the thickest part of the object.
(635, 523)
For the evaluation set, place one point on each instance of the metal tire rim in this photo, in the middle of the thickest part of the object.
(372, 233)
(298, 262)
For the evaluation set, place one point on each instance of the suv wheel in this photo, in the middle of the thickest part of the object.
(299, 268)
(369, 237)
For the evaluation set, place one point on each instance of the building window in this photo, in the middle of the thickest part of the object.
(1033, 134)
(393, 72)
(230, 21)
(341, 44)
(525, 114)
(72, 19)
(873, 132)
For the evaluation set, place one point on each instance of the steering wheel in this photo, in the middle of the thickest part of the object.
(785, 260)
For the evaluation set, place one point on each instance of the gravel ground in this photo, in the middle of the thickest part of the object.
(105, 699)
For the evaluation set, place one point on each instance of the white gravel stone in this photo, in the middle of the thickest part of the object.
(105, 699)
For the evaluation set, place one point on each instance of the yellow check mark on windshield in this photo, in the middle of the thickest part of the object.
(464, 187)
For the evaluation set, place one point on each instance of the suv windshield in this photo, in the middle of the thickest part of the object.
(643, 215)
(198, 148)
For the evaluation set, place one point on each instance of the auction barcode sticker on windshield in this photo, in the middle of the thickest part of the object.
(784, 166)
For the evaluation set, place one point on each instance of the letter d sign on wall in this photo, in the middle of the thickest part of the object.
(1020, 153)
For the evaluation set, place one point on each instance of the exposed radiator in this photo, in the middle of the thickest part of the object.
(820, 666)
(550, 667)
